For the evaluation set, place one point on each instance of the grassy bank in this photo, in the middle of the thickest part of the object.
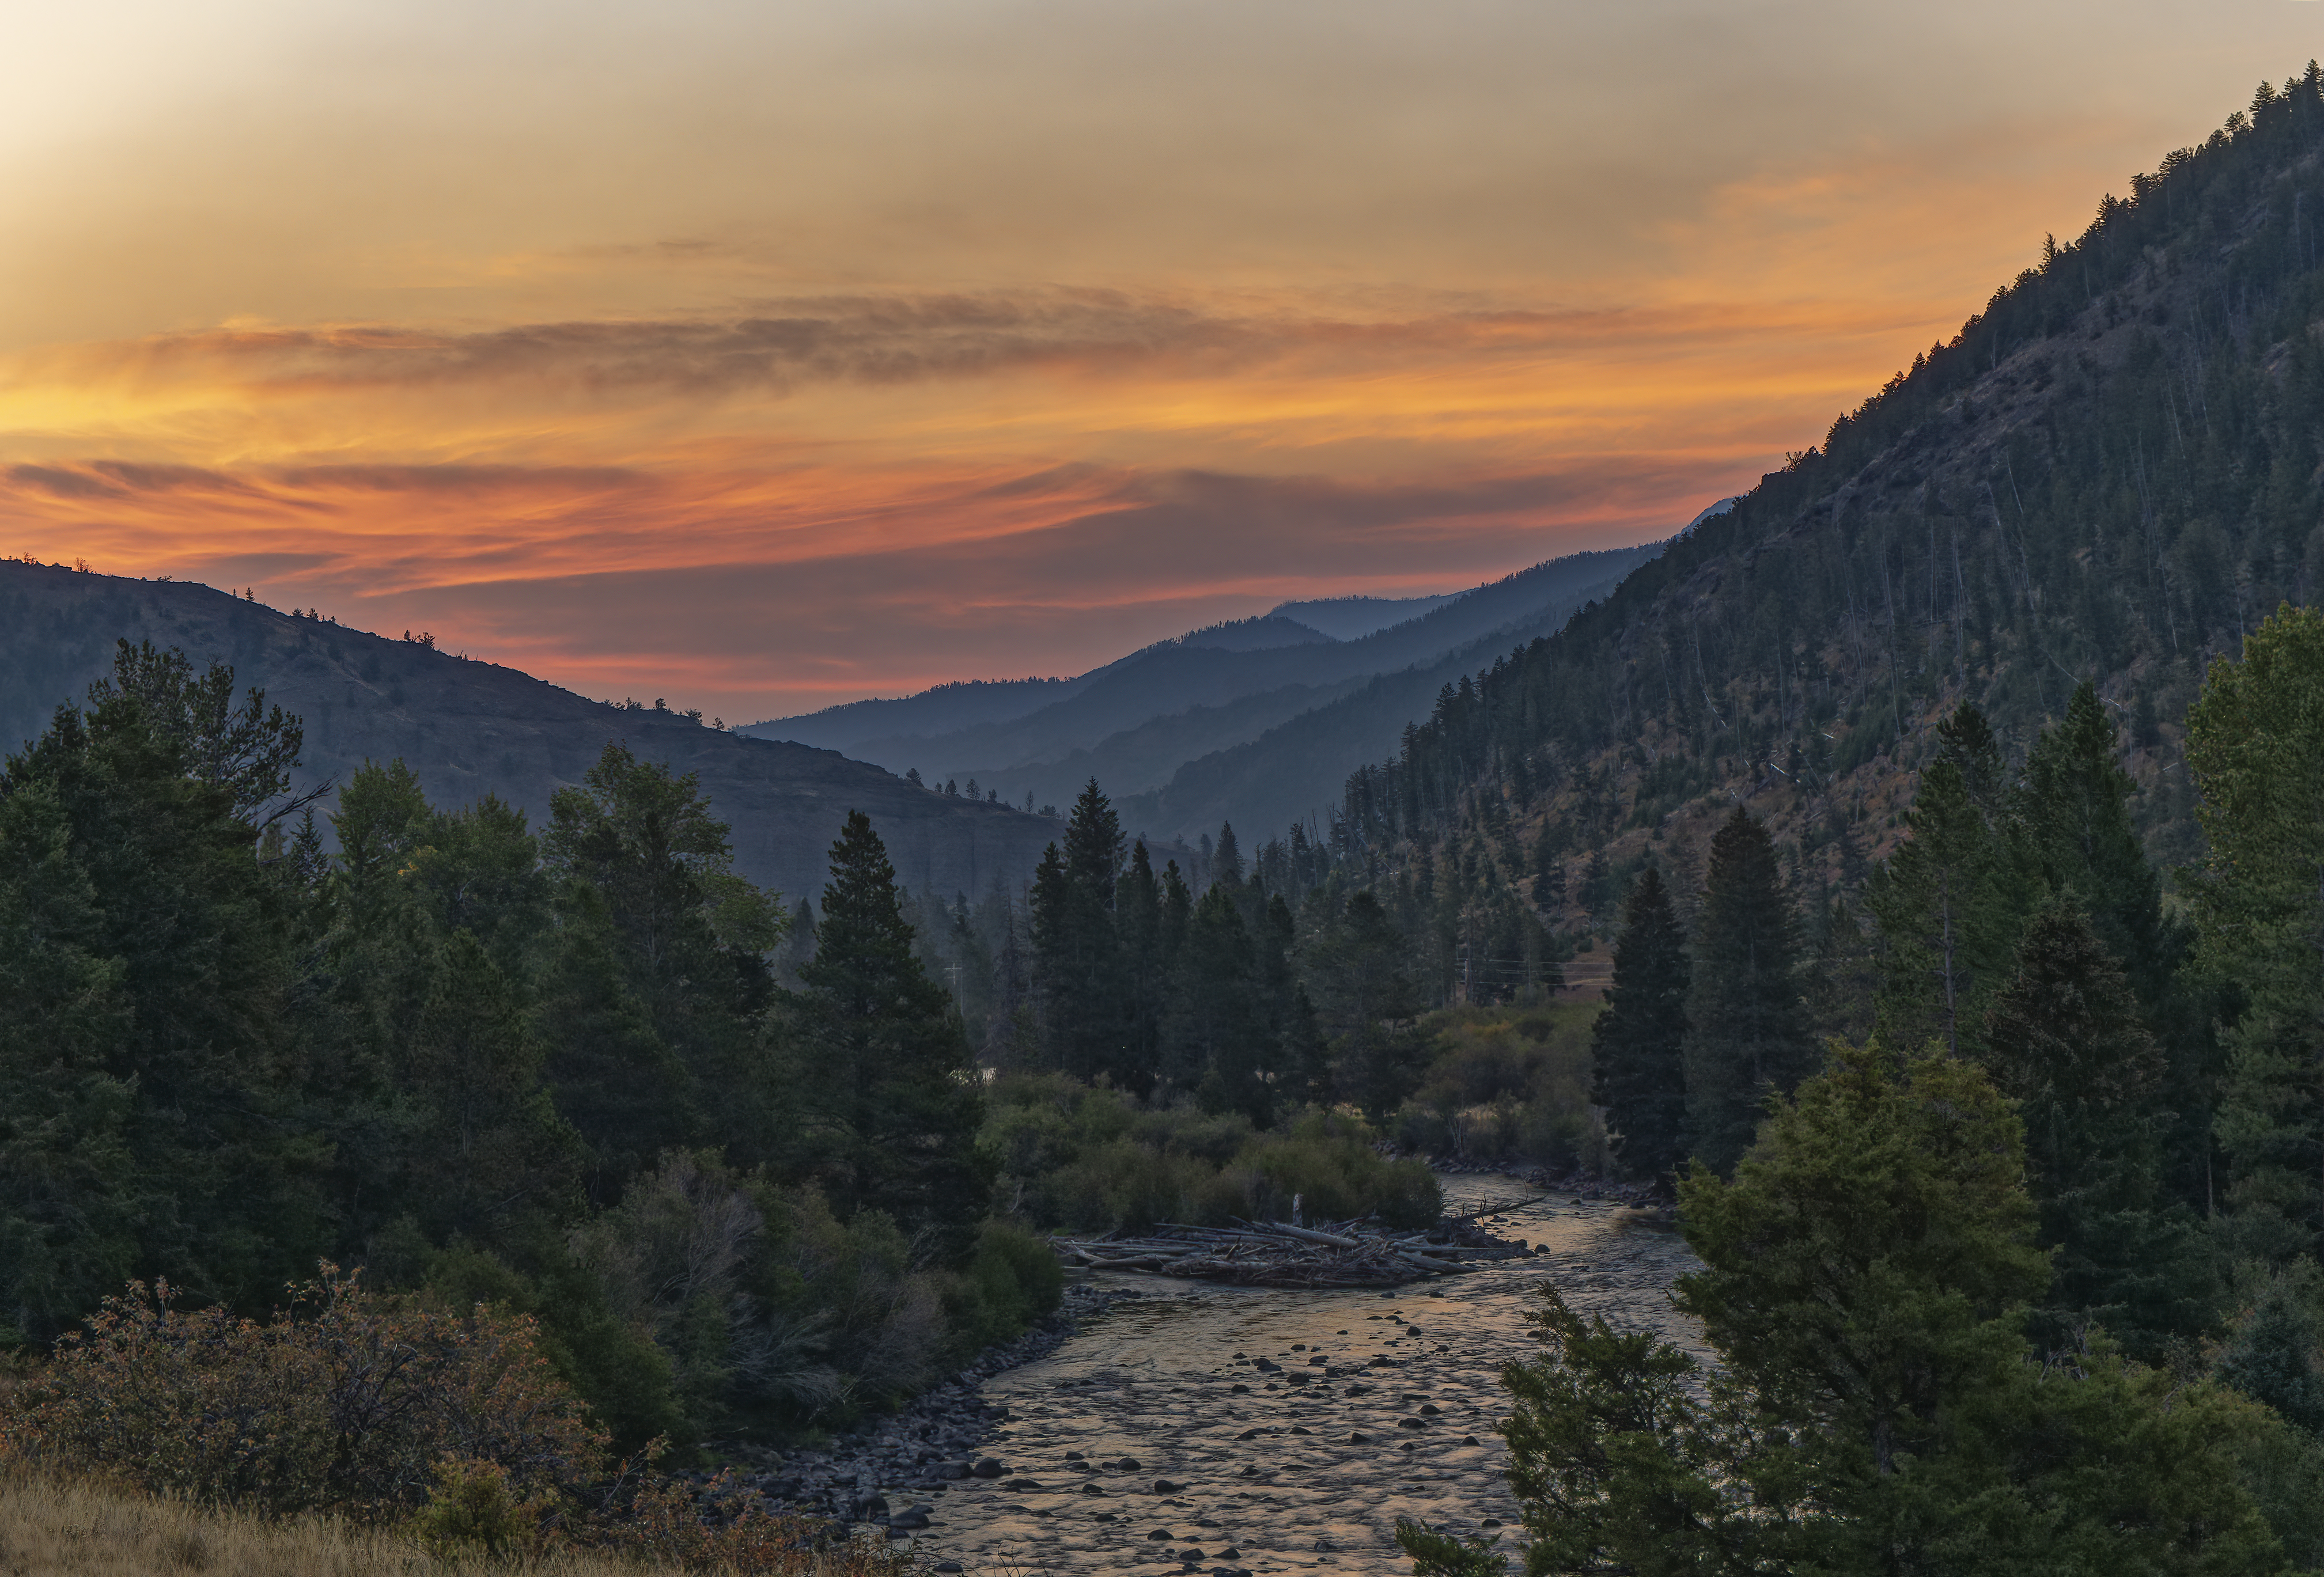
(64, 1527)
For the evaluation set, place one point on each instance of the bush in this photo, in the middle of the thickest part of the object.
(1506, 1084)
(1010, 1281)
(345, 1400)
(474, 1511)
(1084, 1159)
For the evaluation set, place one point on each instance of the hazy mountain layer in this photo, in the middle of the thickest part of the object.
(471, 728)
(1296, 771)
(1199, 674)
(1353, 618)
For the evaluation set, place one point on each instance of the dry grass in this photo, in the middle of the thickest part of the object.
(73, 1528)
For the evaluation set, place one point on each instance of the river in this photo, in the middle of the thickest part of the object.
(1262, 1473)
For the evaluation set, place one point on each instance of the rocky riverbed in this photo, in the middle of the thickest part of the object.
(1187, 1427)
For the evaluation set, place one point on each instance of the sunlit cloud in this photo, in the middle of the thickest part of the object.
(765, 356)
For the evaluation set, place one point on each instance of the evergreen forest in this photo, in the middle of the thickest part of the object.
(1935, 838)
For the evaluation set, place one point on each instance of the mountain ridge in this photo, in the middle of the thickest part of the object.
(469, 728)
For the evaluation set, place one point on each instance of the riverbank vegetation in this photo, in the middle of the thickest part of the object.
(541, 1091)
(2025, 1279)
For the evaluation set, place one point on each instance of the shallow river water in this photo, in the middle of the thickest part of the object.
(1257, 1471)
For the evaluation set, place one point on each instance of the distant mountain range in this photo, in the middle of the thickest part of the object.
(470, 728)
(1258, 721)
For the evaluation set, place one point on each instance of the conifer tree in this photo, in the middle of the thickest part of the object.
(1077, 951)
(70, 1191)
(1549, 867)
(2255, 743)
(880, 1048)
(1218, 1028)
(1226, 863)
(1947, 920)
(1748, 1035)
(695, 936)
(1366, 999)
(2074, 808)
(2065, 1040)
(1638, 1046)
(1844, 973)
(2074, 825)
(1137, 917)
(612, 1078)
(485, 1147)
(1872, 1409)
(198, 942)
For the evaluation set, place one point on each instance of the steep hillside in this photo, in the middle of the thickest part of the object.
(471, 728)
(2111, 471)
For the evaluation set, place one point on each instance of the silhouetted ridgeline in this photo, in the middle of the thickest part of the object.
(472, 728)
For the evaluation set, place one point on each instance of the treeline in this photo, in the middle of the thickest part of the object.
(1259, 987)
(554, 1069)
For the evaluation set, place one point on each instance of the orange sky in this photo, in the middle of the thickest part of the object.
(760, 358)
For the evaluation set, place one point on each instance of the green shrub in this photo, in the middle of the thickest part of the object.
(1010, 1281)
(474, 1511)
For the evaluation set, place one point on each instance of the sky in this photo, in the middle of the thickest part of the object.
(765, 355)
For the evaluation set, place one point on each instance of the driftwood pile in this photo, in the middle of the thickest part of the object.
(1353, 1253)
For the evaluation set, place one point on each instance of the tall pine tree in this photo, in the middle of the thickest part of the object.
(1076, 950)
(1748, 1033)
(1638, 1046)
(1944, 903)
(2255, 743)
(880, 1048)
(2065, 1040)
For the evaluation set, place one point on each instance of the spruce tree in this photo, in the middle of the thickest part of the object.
(1872, 1409)
(695, 937)
(2065, 1040)
(1945, 909)
(1076, 950)
(882, 1051)
(612, 1078)
(484, 1149)
(198, 943)
(1218, 1029)
(1138, 920)
(70, 1195)
(2074, 809)
(1747, 1034)
(2255, 745)
(1637, 1054)
(1226, 863)
(2075, 830)
(1365, 999)
(1549, 867)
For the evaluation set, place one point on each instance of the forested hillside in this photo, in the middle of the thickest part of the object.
(2110, 473)
(467, 729)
